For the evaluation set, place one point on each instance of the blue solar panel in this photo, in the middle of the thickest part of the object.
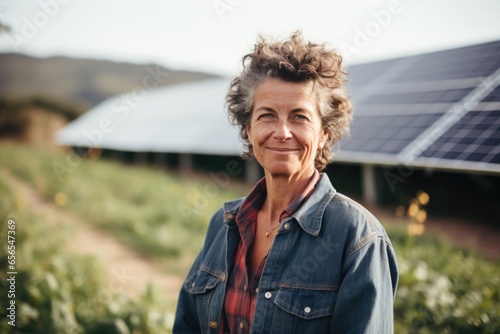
(363, 74)
(452, 95)
(493, 96)
(397, 100)
(386, 134)
(476, 137)
(474, 61)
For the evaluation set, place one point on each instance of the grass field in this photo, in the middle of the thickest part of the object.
(162, 215)
(60, 292)
(156, 213)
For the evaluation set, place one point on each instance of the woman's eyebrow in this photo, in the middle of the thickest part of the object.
(265, 108)
(296, 110)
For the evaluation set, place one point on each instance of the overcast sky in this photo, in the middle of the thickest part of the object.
(213, 35)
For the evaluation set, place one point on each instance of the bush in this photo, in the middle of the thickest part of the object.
(443, 289)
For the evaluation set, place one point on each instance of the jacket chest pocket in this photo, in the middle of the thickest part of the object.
(202, 286)
(300, 310)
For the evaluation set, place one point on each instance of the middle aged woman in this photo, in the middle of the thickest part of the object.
(294, 256)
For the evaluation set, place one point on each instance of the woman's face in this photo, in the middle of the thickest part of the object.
(285, 127)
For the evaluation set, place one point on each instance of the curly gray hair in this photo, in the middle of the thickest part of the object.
(294, 60)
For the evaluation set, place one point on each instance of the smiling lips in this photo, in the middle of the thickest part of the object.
(281, 149)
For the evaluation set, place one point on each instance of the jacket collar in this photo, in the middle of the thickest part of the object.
(309, 215)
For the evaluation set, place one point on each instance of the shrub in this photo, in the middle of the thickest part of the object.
(443, 289)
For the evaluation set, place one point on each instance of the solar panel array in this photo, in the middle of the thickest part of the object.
(440, 109)
(185, 118)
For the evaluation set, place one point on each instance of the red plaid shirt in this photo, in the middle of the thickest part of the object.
(241, 293)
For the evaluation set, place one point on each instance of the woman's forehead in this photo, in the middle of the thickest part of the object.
(284, 93)
(274, 90)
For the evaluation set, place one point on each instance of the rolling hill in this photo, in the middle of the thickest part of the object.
(83, 82)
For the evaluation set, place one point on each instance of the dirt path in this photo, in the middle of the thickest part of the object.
(127, 271)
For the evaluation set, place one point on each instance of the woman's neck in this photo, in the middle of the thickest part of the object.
(282, 190)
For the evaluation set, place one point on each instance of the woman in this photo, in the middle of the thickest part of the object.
(294, 256)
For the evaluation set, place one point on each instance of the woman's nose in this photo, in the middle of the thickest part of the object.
(282, 131)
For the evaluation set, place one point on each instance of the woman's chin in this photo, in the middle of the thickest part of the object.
(280, 170)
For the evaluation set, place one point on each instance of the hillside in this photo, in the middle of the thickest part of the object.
(84, 82)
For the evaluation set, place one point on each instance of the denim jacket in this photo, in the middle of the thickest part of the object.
(331, 269)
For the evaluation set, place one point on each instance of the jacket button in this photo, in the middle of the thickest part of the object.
(268, 295)
(228, 216)
(287, 226)
(212, 324)
(307, 309)
(223, 278)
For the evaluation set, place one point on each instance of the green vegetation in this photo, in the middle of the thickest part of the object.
(156, 213)
(442, 289)
(60, 292)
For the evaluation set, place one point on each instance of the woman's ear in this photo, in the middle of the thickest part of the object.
(322, 139)
(249, 135)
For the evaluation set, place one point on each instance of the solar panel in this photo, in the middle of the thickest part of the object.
(475, 61)
(386, 134)
(435, 96)
(392, 114)
(493, 96)
(366, 73)
(476, 137)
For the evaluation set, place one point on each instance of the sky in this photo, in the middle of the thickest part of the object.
(213, 35)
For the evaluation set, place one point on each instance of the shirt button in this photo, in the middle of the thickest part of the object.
(245, 287)
(228, 216)
(257, 290)
(268, 295)
(307, 309)
(212, 324)
(241, 325)
(287, 226)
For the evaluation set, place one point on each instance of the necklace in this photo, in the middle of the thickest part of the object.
(269, 230)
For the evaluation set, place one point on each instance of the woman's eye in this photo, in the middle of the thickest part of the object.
(300, 117)
(266, 116)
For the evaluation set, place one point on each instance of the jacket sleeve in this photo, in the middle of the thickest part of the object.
(366, 295)
(186, 315)
(187, 318)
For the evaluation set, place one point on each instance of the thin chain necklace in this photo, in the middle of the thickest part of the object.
(270, 229)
